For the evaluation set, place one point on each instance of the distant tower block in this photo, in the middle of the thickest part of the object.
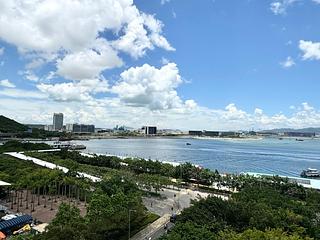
(149, 130)
(57, 121)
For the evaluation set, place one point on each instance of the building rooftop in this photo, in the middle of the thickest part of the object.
(305, 182)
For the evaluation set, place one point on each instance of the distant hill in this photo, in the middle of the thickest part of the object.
(304, 130)
(8, 125)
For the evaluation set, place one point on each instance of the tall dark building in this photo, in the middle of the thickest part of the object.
(57, 121)
(80, 128)
(148, 130)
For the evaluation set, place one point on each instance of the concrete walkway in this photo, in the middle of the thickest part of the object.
(148, 232)
(50, 165)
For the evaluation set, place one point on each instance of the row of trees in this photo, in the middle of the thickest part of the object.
(33, 185)
(16, 146)
(266, 208)
(108, 208)
(113, 203)
(185, 171)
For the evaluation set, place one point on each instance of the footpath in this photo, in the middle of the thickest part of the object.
(49, 165)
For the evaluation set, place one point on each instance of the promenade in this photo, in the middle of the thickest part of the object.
(22, 156)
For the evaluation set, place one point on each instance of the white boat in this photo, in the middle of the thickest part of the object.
(310, 172)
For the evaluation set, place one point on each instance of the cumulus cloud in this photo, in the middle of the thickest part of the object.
(164, 2)
(150, 87)
(230, 118)
(21, 94)
(6, 83)
(280, 7)
(288, 63)
(73, 33)
(311, 50)
(29, 75)
(142, 33)
(88, 64)
(81, 91)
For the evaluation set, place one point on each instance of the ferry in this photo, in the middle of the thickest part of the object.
(64, 145)
(310, 172)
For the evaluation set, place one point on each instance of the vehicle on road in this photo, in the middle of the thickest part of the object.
(173, 218)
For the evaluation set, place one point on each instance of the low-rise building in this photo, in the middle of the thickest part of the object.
(299, 134)
(229, 134)
(211, 133)
(48, 128)
(80, 128)
(195, 133)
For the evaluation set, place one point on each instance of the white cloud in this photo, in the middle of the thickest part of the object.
(164, 61)
(150, 87)
(142, 33)
(311, 50)
(72, 33)
(191, 104)
(280, 7)
(82, 91)
(65, 92)
(89, 63)
(1, 50)
(29, 75)
(174, 14)
(307, 107)
(164, 2)
(316, 1)
(21, 94)
(6, 83)
(258, 111)
(35, 63)
(231, 118)
(289, 62)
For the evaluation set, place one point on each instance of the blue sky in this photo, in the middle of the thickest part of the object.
(209, 64)
(231, 51)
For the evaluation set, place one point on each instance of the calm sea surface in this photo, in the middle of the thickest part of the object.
(283, 157)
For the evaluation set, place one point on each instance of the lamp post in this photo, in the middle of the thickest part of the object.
(130, 210)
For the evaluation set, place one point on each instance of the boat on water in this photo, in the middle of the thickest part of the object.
(299, 140)
(68, 145)
(188, 144)
(310, 173)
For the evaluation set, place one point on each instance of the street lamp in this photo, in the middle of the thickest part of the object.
(130, 210)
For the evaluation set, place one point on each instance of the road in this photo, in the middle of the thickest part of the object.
(170, 201)
(160, 232)
(173, 201)
(152, 230)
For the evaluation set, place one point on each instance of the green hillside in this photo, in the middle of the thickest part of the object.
(8, 125)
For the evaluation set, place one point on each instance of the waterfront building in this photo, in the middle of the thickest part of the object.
(211, 133)
(150, 130)
(299, 134)
(305, 182)
(195, 133)
(229, 134)
(80, 128)
(57, 121)
(48, 128)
